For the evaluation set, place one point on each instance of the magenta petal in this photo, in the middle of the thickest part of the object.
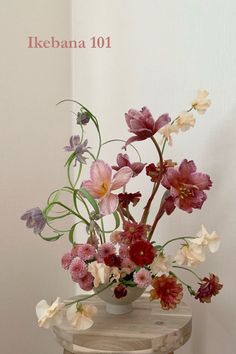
(122, 160)
(133, 139)
(169, 205)
(109, 204)
(172, 176)
(186, 168)
(201, 180)
(94, 190)
(137, 168)
(161, 121)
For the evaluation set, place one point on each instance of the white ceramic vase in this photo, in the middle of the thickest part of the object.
(120, 306)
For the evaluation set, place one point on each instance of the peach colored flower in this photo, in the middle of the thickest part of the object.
(185, 121)
(100, 272)
(190, 255)
(201, 102)
(167, 132)
(81, 317)
(205, 239)
(101, 185)
(49, 315)
(161, 264)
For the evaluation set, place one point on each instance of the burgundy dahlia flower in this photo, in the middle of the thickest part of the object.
(186, 187)
(142, 124)
(122, 160)
(126, 198)
(133, 232)
(167, 290)
(208, 288)
(113, 260)
(142, 253)
(120, 291)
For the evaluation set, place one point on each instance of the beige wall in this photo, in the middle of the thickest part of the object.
(32, 135)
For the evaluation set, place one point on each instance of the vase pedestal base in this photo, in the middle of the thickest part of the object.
(118, 309)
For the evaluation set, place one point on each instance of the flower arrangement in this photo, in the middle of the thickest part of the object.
(127, 256)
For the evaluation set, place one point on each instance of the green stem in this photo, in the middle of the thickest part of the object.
(87, 297)
(189, 270)
(175, 239)
(71, 211)
(187, 285)
(103, 232)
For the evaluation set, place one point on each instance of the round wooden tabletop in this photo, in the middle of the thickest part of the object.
(147, 329)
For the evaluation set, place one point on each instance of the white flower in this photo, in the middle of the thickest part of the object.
(185, 121)
(167, 130)
(205, 239)
(100, 272)
(49, 315)
(201, 102)
(190, 255)
(161, 264)
(81, 318)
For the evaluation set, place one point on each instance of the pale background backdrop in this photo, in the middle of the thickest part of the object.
(162, 52)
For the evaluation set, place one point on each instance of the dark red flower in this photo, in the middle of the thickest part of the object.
(208, 288)
(126, 198)
(142, 253)
(167, 290)
(120, 291)
(153, 171)
(123, 161)
(142, 124)
(112, 260)
(186, 186)
(133, 232)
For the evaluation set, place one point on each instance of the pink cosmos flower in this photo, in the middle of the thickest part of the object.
(66, 260)
(142, 278)
(142, 124)
(77, 269)
(186, 187)
(106, 249)
(123, 161)
(86, 252)
(101, 185)
(86, 283)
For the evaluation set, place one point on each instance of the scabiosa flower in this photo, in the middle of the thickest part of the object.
(167, 290)
(34, 219)
(126, 198)
(133, 232)
(142, 124)
(120, 291)
(86, 283)
(78, 147)
(153, 171)
(124, 251)
(123, 161)
(112, 260)
(142, 278)
(208, 288)
(77, 269)
(82, 118)
(186, 186)
(86, 252)
(66, 260)
(106, 249)
(142, 253)
(74, 142)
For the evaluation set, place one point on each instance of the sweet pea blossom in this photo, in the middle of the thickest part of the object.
(123, 161)
(190, 255)
(80, 317)
(186, 186)
(142, 124)
(101, 185)
(100, 272)
(161, 264)
(167, 132)
(205, 239)
(185, 121)
(34, 219)
(49, 315)
(201, 102)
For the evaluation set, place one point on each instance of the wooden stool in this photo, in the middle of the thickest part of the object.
(147, 329)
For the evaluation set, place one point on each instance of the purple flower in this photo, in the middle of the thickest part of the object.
(78, 147)
(34, 219)
(185, 187)
(82, 118)
(142, 124)
(123, 161)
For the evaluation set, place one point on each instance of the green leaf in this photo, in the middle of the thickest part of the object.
(90, 199)
(130, 283)
(117, 222)
(70, 159)
(52, 238)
